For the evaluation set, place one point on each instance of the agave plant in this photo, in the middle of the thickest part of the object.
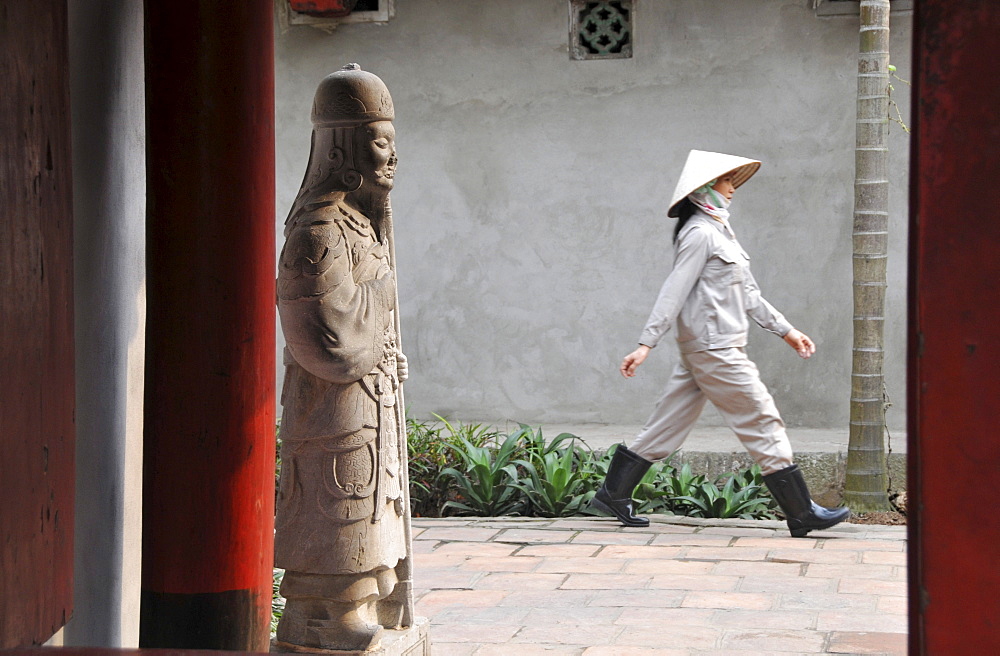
(484, 486)
(742, 495)
(556, 487)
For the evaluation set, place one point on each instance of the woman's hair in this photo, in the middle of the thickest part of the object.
(684, 211)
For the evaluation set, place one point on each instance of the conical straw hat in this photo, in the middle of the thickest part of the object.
(702, 167)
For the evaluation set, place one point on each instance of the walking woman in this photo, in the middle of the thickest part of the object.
(706, 300)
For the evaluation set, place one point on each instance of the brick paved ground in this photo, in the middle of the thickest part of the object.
(682, 586)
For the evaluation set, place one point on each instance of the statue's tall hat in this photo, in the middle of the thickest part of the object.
(351, 97)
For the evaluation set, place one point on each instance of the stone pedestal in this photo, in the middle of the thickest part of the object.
(414, 641)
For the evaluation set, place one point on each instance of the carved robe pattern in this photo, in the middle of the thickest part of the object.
(340, 499)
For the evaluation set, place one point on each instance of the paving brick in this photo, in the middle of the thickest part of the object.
(524, 650)
(826, 556)
(799, 642)
(425, 546)
(438, 579)
(884, 558)
(581, 565)
(433, 560)
(605, 582)
(726, 553)
(777, 543)
(764, 619)
(865, 545)
(604, 537)
(889, 644)
(533, 536)
(503, 564)
(852, 586)
(486, 549)
(548, 598)
(757, 568)
(436, 600)
(687, 582)
(639, 551)
(638, 598)
(472, 615)
(452, 648)
(893, 605)
(464, 533)
(520, 581)
(827, 601)
(881, 572)
(605, 615)
(664, 566)
(580, 524)
(582, 635)
(666, 617)
(787, 584)
(694, 540)
(564, 550)
(737, 532)
(842, 620)
(745, 600)
(479, 632)
(688, 637)
(612, 650)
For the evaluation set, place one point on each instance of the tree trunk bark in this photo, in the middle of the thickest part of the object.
(866, 485)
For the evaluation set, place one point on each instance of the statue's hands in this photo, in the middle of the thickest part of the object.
(402, 367)
(799, 341)
(633, 360)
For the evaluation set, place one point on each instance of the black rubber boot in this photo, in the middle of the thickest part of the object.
(802, 514)
(615, 496)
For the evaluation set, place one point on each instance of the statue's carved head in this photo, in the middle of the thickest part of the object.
(349, 98)
(353, 137)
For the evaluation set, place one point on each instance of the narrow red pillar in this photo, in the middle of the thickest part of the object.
(953, 388)
(208, 474)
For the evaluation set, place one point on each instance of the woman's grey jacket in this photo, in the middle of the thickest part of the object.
(710, 292)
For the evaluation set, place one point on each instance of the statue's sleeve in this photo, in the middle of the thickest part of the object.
(334, 325)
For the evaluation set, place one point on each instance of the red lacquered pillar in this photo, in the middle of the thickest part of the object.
(953, 388)
(208, 477)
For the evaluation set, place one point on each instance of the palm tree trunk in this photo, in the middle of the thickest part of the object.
(866, 486)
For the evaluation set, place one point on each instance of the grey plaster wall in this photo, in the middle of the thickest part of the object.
(531, 194)
(106, 55)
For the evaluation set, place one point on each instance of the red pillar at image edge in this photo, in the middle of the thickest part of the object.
(209, 445)
(954, 323)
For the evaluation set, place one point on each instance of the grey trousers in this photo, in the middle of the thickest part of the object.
(728, 379)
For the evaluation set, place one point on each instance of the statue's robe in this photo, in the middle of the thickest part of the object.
(340, 500)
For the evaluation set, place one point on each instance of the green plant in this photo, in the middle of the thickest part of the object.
(277, 601)
(554, 484)
(741, 495)
(484, 485)
(429, 455)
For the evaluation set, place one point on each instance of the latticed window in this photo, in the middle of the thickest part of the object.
(601, 29)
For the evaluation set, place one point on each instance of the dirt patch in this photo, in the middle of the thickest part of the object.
(891, 518)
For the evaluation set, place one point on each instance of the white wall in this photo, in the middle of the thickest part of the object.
(531, 193)
(109, 188)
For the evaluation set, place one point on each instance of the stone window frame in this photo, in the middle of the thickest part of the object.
(579, 52)
(288, 18)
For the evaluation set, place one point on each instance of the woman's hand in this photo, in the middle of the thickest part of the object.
(633, 360)
(799, 341)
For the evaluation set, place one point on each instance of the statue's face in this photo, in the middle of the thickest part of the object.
(375, 155)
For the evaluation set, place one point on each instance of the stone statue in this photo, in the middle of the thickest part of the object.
(342, 522)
